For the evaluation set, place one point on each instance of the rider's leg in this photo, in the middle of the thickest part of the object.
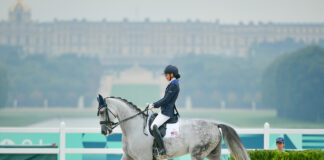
(159, 140)
(158, 121)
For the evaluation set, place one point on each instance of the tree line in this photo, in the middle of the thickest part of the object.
(32, 79)
(287, 76)
(294, 84)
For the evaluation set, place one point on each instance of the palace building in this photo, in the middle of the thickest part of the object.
(144, 39)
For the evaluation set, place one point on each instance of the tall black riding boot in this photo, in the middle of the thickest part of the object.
(159, 140)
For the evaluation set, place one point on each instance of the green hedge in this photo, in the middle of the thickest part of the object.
(286, 155)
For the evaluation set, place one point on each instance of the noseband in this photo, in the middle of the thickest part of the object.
(107, 121)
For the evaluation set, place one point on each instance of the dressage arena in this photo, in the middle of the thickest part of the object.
(173, 80)
(68, 138)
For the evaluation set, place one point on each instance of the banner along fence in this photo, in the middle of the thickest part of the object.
(88, 143)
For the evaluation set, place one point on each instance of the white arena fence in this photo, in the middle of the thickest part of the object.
(62, 130)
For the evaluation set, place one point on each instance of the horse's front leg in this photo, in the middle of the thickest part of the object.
(125, 150)
(126, 157)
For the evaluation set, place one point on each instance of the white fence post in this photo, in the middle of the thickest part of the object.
(62, 141)
(266, 136)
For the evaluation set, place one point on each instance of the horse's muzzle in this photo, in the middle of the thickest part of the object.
(105, 130)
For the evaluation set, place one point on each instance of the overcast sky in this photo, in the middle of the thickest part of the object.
(227, 11)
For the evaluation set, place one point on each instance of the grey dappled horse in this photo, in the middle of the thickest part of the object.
(200, 138)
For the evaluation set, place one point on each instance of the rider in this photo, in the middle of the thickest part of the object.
(167, 104)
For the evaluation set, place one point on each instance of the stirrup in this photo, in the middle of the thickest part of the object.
(158, 152)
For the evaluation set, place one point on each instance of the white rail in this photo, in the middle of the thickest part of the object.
(62, 150)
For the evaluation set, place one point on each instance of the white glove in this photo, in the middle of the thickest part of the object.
(151, 106)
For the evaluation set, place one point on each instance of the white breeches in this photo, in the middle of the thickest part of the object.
(159, 120)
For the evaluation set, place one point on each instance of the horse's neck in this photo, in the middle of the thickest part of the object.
(131, 125)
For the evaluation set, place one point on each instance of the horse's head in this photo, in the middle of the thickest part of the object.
(106, 116)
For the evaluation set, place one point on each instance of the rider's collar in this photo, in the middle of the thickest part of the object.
(173, 80)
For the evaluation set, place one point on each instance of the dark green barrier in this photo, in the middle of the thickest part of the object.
(28, 156)
(286, 155)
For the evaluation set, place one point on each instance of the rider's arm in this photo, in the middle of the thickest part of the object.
(167, 97)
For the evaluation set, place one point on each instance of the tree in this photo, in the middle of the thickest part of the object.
(60, 80)
(294, 84)
(3, 87)
(211, 79)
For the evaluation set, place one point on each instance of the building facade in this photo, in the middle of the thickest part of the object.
(144, 39)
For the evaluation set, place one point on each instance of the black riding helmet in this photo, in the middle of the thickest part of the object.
(172, 69)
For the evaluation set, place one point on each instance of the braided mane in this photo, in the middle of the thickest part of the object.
(129, 104)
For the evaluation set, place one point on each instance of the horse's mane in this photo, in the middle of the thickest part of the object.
(129, 104)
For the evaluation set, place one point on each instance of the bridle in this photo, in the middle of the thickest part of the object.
(107, 121)
(112, 124)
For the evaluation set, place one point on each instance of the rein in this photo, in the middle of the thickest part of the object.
(113, 124)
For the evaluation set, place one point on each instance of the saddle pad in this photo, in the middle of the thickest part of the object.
(173, 129)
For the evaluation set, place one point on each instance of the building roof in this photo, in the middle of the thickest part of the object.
(21, 4)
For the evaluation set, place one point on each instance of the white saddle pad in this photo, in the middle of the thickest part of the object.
(173, 130)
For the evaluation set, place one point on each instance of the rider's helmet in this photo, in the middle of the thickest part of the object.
(172, 69)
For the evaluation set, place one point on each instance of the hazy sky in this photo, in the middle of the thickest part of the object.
(227, 11)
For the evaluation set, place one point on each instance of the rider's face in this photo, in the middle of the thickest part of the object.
(169, 76)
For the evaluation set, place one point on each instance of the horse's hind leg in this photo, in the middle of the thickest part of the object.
(196, 154)
(196, 158)
(199, 152)
(216, 153)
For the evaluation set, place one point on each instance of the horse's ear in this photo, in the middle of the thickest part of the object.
(101, 100)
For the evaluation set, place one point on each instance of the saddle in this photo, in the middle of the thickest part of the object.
(163, 127)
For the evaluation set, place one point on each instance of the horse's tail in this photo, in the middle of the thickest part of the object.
(234, 143)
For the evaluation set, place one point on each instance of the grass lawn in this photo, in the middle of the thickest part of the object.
(239, 118)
